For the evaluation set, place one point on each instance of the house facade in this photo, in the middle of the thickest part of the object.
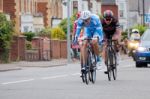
(25, 13)
(123, 13)
(80, 5)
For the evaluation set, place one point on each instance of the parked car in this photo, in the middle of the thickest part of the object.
(142, 54)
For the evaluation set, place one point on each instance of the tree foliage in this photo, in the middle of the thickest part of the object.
(6, 33)
(141, 29)
(63, 24)
(29, 35)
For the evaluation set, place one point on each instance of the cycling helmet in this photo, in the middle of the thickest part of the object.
(135, 31)
(108, 14)
(85, 15)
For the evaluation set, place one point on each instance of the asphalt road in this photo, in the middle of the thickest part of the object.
(63, 82)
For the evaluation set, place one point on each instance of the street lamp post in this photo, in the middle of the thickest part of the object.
(128, 17)
(144, 12)
(68, 32)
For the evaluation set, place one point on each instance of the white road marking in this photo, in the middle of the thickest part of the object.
(75, 74)
(20, 81)
(54, 77)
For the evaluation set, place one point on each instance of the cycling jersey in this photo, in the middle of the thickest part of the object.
(94, 28)
(110, 29)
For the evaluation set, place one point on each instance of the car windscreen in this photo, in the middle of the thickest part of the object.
(146, 35)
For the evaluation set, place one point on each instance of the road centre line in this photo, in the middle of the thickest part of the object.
(20, 81)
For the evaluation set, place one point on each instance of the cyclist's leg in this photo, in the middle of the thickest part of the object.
(83, 51)
(96, 48)
(104, 56)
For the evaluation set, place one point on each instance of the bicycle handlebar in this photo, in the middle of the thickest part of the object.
(87, 38)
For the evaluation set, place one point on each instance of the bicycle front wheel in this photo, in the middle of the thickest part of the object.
(93, 68)
(114, 70)
(87, 77)
(109, 63)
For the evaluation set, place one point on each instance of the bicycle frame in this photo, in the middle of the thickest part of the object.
(90, 71)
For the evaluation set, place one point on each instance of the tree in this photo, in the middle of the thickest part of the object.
(6, 33)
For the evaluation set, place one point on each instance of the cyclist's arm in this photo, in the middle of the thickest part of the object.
(99, 31)
(78, 31)
(118, 29)
(117, 35)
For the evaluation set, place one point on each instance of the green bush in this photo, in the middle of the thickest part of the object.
(58, 33)
(141, 28)
(45, 32)
(29, 35)
(63, 24)
(6, 33)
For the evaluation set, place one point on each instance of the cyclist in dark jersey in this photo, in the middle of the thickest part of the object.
(111, 28)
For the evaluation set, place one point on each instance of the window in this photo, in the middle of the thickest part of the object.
(121, 10)
(75, 6)
(122, 26)
(26, 28)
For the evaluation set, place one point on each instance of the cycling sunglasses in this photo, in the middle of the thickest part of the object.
(135, 32)
(108, 19)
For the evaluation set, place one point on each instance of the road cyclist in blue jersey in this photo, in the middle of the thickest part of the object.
(92, 28)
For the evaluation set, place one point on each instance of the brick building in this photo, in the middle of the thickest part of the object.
(21, 10)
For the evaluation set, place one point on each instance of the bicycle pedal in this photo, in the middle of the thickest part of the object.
(81, 76)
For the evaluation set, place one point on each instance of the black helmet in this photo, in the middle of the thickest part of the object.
(108, 14)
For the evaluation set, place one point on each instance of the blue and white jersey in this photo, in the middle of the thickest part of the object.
(94, 28)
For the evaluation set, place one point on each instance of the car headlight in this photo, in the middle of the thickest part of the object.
(141, 49)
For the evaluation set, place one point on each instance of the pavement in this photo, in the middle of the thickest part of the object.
(21, 64)
(42, 64)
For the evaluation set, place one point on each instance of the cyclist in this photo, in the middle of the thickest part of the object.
(111, 28)
(135, 35)
(92, 29)
(75, 47)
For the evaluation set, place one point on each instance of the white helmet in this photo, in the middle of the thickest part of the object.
(135, 31)
(85, 15)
